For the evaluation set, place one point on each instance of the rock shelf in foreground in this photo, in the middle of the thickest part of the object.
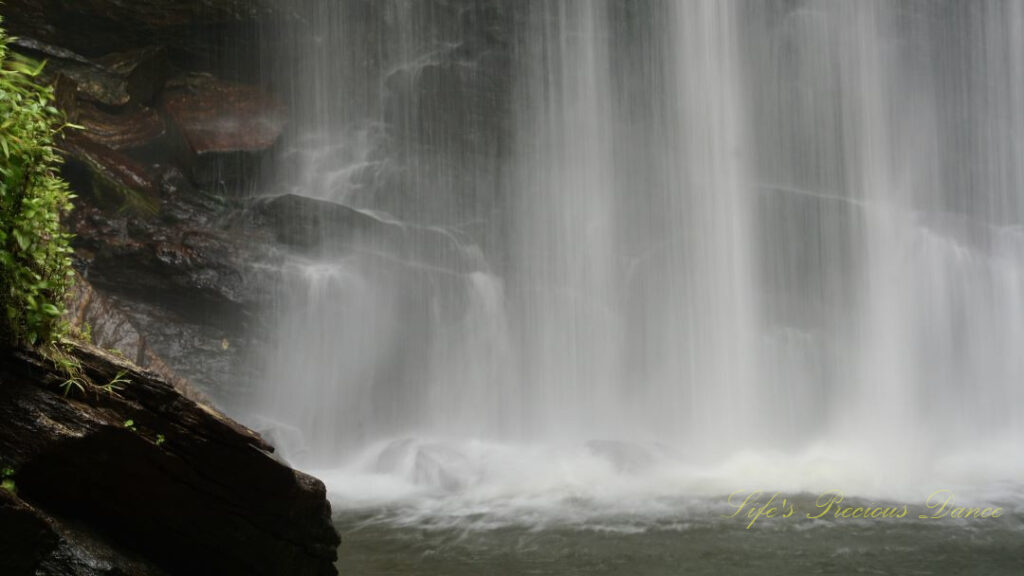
(145, 481)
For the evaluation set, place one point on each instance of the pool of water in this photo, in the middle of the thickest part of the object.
(699, 539)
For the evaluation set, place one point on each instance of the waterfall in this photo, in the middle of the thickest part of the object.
(567, 292)
(628, 248)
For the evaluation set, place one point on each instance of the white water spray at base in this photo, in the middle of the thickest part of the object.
(740, 245)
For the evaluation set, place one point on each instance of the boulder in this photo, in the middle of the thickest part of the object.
(109, 100)
(110, 178)
(106, 98)
(226, 125)
(91, 82)
(144, 71)
(317, 226)
(216, 116)
(143, 469)
(133, 127)
(113, 80)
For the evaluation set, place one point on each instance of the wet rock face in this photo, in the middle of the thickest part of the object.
(129, 102)
(108, 178)
(159, 167)
(28, 538)
(438, 81)
(101, 320)
(102, 26)
(227, 127)
(186, 278)
(185, 273)
(319, 227)
(36, 543)
(132, 128)
(144, 71)
(180, 484)
(216, 116)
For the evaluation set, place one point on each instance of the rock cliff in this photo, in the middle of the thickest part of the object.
(135, 478)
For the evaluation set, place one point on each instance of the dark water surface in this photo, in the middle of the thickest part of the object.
(710, 545)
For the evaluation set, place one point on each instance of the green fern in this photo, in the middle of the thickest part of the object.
(35, 253)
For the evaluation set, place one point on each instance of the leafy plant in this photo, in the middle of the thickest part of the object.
(130, 425)
(84, 333)
(115, 385)
(35, 263)
(69, 366)
(73, 383)
(7, 480)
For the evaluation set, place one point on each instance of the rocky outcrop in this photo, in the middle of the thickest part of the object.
(313, 226)
(176, 129)
(29, 538)
(130, 129)
(36, 543)
(318, 227)
(171, 278)
(145, 473)
(108, 178)
(144, 71)
(226, 126)
(216, 116)
(97, 319)
(181, 266)
(186, 278)
(159, 167)
(102, 26)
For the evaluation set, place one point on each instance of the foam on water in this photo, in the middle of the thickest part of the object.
(475, 484)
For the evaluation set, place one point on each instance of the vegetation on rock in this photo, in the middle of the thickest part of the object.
(35, 263)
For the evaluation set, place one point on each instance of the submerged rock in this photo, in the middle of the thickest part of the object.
(143, 469)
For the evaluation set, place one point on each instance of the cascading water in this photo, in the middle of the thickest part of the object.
(623, 250)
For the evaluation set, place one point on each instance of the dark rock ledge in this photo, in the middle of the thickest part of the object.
(182, 489)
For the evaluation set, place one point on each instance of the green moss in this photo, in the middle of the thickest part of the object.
(113, 196)
(35, 265)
